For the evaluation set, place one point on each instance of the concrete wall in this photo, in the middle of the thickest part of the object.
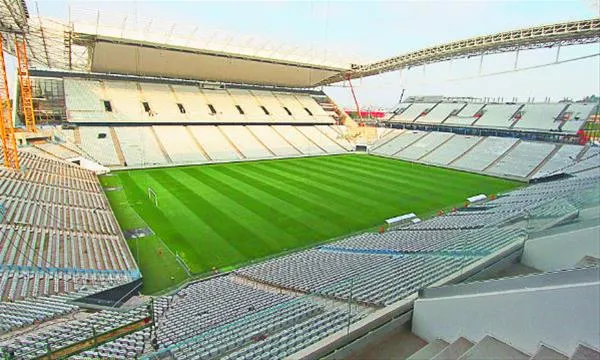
(561, 251)
(561, 316)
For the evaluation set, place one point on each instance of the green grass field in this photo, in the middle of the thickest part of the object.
(224, 215)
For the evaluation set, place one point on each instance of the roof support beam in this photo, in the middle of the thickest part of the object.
(560, 34)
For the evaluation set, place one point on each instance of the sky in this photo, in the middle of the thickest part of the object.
(363, 31)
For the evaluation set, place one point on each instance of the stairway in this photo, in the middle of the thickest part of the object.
(162, 148)
(117, 144)
(546, 159)
(491, 348)
(198, 145)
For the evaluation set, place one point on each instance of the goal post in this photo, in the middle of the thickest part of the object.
(152, 196)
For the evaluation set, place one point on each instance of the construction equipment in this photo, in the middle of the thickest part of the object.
(25, 84)
(7, 130)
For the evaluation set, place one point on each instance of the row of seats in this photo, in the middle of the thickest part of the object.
(178, 144)
(567, 117)
(57, 231)
(22, 313)
(226, 318)
(22, 245)
(54, 216)
(205, 304)
(122, 102)
(21, 189)
(494, 155)
(71, 332)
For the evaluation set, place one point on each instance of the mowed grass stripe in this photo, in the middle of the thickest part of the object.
(223, 222)
(474, 181)
(294, 219)
(287, 226)
(376, 184)
(422, 187)
(337, 188)
(326, 192)
(402, 175)
(398, 196)
(260, 229)
(194, 234)
(295, 194)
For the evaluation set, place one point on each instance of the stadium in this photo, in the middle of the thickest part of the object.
(165, 198)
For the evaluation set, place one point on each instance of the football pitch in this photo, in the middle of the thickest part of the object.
(220, 216)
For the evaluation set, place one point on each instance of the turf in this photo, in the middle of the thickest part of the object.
(223, 215)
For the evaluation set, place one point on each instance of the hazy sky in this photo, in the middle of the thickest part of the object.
(363, 31)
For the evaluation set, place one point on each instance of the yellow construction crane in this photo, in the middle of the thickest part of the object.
(25, 84)
(7, 130)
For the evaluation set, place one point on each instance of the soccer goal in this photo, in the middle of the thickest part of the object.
(152, 196)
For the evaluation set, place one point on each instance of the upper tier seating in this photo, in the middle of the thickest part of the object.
(466, 116)
(83, 100)
(540, 117)
(440, 112)
(126, 102)
(162, 102)
(104, 101)
(498, 115)
(412, 112)
(576, 115)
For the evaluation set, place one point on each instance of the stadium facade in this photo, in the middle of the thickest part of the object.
(524, 261)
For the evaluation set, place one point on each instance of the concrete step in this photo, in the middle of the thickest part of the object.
(545, 353)
(490, 348)
(583, 352)
(454, 350)
(429, 351)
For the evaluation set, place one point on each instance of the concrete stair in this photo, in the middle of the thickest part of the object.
(545, 353)
(454, 350)
(491, 348)
(429, 351)
(162, 148)
(117, 145)
(493, 163)
(583, 352)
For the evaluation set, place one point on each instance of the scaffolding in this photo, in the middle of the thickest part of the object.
(7, 130)
(25, 84)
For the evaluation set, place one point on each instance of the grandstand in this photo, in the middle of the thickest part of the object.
(206, 204)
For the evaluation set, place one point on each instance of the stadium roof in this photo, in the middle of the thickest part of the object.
(176, 51)
(147, 58)
(94, 42)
